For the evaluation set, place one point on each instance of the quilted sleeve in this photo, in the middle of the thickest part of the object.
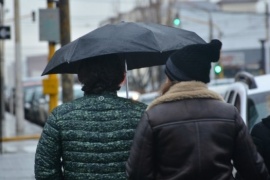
(48, 152)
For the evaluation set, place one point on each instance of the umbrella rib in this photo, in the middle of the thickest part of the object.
(156, 41)
(152, 34)
(71, 52)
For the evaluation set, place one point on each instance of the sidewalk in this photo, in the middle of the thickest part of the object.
(19, 166)
(9, 127)
(17, 159)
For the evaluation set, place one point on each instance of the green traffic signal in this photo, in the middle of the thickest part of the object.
(218, 69)
(176, 21)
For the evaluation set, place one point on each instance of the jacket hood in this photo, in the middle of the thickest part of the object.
(186, 90)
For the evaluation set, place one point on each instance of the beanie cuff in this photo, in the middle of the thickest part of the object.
(174, 73)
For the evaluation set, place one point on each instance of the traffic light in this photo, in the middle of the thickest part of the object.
(217, 69)
(176, 20)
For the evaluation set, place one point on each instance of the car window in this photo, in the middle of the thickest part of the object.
(258, 107)
(230, 98)
(237, 103)
(28, 92)
(39, 93)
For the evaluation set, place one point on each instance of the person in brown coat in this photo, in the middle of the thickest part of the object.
(189, 132)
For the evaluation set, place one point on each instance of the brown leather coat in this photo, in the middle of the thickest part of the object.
(189, 133)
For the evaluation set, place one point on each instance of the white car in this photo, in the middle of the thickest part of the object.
(220, 89)
(128, 94)
(147, 98)
(220, 85)
(251, 96)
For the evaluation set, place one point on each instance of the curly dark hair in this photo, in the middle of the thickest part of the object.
(104, 73)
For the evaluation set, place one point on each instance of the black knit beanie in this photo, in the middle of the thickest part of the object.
(193, 62)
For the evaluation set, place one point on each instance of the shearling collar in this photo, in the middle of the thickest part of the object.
(186, 90)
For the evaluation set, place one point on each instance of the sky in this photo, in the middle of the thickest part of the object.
(85, 16)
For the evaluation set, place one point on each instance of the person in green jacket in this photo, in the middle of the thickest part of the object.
(90, 137)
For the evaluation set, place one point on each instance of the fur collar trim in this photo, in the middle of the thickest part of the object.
(186, 90)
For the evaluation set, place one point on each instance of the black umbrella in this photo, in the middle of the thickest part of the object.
(140, 44)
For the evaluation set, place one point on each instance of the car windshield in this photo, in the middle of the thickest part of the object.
(258, 107)
(28, 92)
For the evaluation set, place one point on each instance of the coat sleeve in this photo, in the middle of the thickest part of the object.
(48, 153)
(247, 161)
(257, 135)
(140, 162)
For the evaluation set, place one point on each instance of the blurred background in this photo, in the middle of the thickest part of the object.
(242, 26)
(31, 31)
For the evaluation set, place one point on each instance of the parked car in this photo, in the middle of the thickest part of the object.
(39, 104)
(251, 96)
(33, 106)
(218, 82)
(131, 93)
(8, 92)
(220, 89)
(29, 86)
(38, 107)
(29, 91)
(147, 98)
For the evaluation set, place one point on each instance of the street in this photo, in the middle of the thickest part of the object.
(17, 158)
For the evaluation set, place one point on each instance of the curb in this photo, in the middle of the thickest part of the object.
(20, 138)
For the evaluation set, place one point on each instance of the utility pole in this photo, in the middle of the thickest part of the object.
(210, 21)
(266, 20)
(116, 6)
(210, 26)
(262, 61)
(67, 79)
(52, 80)
(267, 38)
(169, 18)
(2, 115)
(18, 71)
(2, 112)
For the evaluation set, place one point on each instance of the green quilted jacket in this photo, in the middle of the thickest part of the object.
(88, 138)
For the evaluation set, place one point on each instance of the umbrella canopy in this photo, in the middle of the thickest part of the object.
(140, 44)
